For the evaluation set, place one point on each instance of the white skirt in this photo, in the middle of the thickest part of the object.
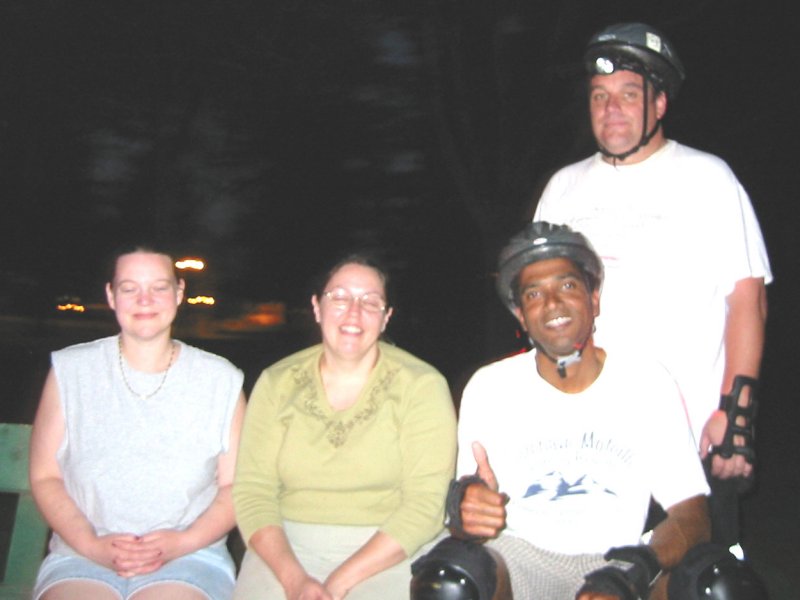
(320, 549)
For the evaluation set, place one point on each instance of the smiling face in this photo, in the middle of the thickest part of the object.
(349, 330)
(616, 109)
(556, 308)
(144, 294)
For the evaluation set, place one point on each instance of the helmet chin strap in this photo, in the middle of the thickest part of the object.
(646, 137)
(562, 362)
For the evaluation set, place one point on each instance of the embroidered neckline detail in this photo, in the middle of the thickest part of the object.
(338, 430)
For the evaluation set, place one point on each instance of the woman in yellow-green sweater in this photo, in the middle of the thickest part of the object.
(346, 454)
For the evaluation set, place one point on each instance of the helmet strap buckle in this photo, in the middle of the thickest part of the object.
(562, 362)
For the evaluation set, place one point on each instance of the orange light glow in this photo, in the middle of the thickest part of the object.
(71, 307)
(193, 264)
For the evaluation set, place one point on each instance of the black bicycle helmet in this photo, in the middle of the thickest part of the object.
(636, 47)
(542, 241)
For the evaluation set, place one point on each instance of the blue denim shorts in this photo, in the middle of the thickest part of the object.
(210, 570)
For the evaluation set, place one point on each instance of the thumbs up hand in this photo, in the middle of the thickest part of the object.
(483, 508)
(484, 470)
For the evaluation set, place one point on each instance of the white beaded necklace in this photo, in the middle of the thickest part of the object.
(125, 378)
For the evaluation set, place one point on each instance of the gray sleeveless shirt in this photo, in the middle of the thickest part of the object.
(137, 465)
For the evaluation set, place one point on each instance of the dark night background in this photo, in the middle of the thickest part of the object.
(267, 137)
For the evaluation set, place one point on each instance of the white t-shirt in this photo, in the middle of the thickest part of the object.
(580, 468)
(675, 233)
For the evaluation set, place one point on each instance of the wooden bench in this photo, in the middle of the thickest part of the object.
(28, 534)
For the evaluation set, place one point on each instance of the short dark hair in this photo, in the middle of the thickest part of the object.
(111, 267)
(364, 258)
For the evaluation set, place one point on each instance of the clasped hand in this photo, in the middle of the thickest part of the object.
(130, 555)
(312, 589)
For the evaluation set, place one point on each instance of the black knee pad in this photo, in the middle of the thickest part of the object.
(454, 570)
(710, 572)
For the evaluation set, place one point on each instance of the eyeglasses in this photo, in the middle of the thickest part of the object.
(341, 299)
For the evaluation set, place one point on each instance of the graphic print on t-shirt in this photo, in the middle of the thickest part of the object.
(554, 486)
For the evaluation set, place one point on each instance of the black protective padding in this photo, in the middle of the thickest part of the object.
(710, 572)
(454, 569)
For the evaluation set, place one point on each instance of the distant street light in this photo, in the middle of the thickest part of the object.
(71, 307)
(192, 264)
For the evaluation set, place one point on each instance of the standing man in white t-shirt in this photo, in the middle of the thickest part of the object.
(684, 257)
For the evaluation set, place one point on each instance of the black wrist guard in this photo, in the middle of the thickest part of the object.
(455, 495)
(729, 404)
(630, 577)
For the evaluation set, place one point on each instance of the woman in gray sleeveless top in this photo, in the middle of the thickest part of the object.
(133, 451)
